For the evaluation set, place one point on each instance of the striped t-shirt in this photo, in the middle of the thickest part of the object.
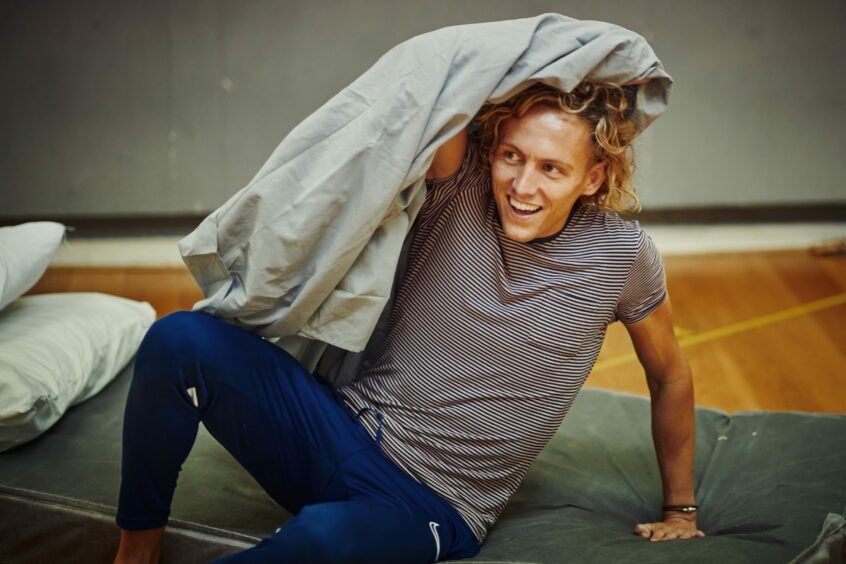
(489, 340)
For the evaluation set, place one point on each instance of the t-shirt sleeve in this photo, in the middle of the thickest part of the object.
(646, 285)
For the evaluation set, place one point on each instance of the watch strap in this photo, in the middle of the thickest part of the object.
(681, 508)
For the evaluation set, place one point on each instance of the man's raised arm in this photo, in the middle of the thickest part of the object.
(448, 157)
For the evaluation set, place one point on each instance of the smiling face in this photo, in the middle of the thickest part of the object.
(542, 164)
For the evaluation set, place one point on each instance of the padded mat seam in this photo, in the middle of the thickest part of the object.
(108, 511)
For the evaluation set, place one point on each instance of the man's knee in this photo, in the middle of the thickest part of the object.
(176, 338)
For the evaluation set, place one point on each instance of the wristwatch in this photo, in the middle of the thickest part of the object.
(681, 508)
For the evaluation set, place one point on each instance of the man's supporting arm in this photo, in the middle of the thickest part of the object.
(673, 423)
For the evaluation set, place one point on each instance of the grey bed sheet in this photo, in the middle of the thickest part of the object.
(770, 486)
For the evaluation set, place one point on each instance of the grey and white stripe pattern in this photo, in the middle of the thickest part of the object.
(490, 340)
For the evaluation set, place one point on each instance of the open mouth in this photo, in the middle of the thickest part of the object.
(521, 209)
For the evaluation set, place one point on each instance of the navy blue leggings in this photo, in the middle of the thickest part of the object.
(293, 433)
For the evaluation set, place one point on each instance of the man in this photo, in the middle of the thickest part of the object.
(518, 265)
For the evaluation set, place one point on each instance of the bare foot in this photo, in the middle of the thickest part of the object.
(139, 547)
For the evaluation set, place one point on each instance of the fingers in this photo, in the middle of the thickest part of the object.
(661, 536)
(660, 532)
(644, 529)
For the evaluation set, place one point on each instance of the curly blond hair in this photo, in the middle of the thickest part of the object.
(608, 109)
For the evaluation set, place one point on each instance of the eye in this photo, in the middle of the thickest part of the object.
(509, 155)
(551, 168)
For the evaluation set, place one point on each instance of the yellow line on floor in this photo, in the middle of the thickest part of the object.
(734, 328)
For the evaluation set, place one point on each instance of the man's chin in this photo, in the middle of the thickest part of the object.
(519, 235)
(518, 231)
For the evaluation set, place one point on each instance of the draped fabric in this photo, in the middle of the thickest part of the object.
(307, 253)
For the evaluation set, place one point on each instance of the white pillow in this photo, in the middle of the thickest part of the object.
(57, 350)
(25, 252)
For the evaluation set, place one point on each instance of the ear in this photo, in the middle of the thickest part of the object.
(595, 178)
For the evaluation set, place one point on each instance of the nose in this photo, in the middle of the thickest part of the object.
(524, 182)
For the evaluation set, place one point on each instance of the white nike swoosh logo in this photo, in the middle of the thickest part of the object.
(434, 528)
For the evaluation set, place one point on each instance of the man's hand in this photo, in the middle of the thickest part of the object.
(672, 527)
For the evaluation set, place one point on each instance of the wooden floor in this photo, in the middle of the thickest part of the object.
(760, 330)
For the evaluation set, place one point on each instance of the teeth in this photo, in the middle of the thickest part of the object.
(521, 206)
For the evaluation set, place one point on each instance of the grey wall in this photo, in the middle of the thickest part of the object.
(169, 106)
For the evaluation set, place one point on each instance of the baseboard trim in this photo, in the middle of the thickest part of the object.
(722, 215)
(146, 225)
(117, 226)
